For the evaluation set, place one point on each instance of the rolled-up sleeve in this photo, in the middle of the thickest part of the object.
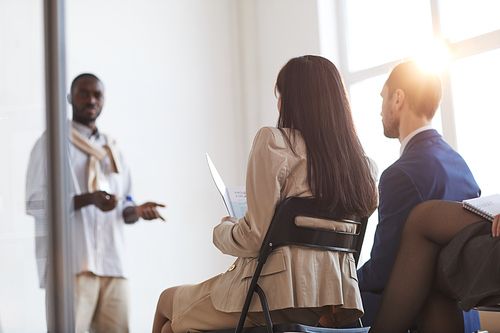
(266, 174)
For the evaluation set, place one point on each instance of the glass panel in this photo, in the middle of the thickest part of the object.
(476, 84)
(382, 31)
(22, 121)
(465, 19)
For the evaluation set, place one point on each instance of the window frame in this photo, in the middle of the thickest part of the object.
(459, 50)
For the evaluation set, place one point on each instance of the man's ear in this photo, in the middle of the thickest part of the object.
(69, 98)
(399, 98)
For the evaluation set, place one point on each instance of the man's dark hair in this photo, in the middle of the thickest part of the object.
(82, 76)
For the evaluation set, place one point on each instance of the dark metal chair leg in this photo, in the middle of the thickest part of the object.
(265, 308)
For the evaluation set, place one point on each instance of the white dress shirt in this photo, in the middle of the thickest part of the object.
(99, 244)
(410, 136)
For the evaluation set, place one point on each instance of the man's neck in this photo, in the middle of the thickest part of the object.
(409, 122)
(90, 125)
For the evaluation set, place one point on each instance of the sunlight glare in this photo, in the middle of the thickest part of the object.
(434, 58)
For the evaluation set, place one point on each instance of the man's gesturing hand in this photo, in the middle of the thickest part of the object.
(148, 211)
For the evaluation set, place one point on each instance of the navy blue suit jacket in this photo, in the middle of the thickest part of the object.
(428, 169)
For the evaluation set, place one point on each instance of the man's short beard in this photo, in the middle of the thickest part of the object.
(392, 132)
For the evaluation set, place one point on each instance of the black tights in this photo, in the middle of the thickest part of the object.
(417, 288)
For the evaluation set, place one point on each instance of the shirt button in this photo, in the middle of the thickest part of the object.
(98, 227)
(232, 267)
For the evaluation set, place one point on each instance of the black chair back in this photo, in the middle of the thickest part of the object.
(284, 231)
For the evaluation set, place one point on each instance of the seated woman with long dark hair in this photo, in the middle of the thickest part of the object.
(313, 152)
(447, 254)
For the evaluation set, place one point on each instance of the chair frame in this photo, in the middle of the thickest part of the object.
(284, 232)
(491, 303)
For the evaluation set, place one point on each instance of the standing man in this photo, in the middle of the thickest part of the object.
(102, 203)
(428, 169)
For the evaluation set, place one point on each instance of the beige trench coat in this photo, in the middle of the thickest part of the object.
(292, 276)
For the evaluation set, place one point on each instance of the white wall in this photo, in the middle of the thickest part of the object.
(182, 77)
(171, 75)
(271, 32)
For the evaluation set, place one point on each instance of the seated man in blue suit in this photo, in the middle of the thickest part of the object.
(427, 169)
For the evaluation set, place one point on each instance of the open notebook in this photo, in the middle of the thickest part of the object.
(487, 206)
(234, 198)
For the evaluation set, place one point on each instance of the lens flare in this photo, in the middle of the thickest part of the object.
(435, 57)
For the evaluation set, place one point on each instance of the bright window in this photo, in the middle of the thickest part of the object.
(476, 87)
(463, 19)
(377, 35)
(371, 37)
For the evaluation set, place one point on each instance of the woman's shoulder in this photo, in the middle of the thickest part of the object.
(268, 131)
(286, 139)
(270, 136)
(276, 134)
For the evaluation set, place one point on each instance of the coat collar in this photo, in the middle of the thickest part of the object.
(431, 133)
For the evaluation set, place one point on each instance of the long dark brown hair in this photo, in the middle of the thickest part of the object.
(314, 102)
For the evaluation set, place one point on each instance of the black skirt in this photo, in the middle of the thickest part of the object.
(471, 261)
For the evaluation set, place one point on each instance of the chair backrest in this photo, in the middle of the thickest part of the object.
(284, 231)
(491, 303)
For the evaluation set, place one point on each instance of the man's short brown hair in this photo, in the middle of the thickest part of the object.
(422, 89)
